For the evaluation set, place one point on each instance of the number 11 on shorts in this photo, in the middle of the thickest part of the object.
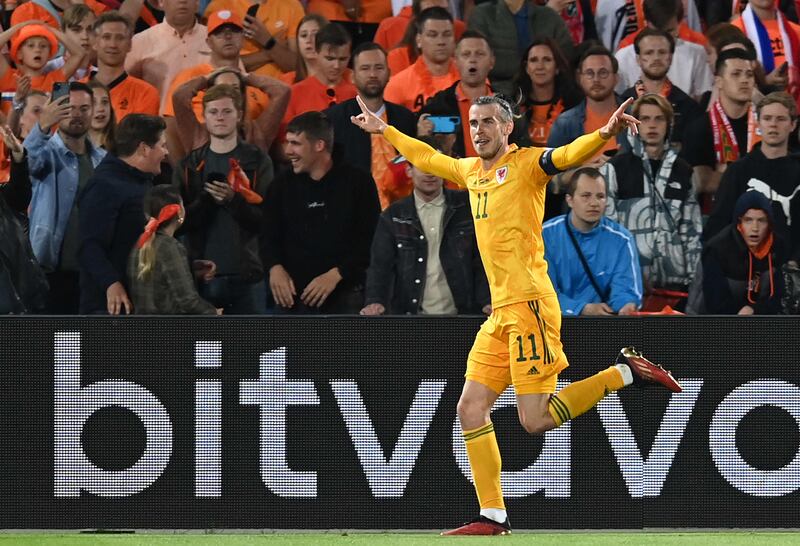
(521, 346)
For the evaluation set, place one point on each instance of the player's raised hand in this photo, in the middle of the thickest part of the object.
(619, 121)
(367, 120)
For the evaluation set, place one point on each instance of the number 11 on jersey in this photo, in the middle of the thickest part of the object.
(485, 198)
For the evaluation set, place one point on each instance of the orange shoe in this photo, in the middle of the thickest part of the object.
(481, 526)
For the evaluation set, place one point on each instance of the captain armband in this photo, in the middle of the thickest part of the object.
(546, 162)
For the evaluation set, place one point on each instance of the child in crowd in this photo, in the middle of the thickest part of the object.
(32, 45)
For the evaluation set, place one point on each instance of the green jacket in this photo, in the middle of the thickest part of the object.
(496, 22)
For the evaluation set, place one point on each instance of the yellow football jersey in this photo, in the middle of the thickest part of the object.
(507, 207)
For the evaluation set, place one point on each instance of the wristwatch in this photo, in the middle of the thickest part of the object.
(17, 106)
(270, 43)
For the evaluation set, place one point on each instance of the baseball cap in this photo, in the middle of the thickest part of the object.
(223, 17)
(31, 31)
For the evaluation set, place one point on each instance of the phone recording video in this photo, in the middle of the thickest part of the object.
(60, 89)
(444, 125)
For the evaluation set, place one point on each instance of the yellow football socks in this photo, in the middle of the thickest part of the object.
(484, 459)
(582, 396)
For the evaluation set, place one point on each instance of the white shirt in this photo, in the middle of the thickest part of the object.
(437, 299)
(689, 70)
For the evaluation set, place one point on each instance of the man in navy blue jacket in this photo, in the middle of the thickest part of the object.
(585, 239)
(112, 215)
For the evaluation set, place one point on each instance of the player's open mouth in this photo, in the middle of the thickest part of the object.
(481, 141)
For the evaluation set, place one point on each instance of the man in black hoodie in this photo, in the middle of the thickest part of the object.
(112, 213)
(768, 169)
(741, 271)
(319, 222)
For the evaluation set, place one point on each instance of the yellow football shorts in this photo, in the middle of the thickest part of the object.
(519, 344)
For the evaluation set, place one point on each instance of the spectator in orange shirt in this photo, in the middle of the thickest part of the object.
(50, 12)
(129, 95)
(307, 65)
(391, 31)
(269, 48)
(329, 87)
(77, 23)
(32, 45)
(474, 60)
(362, 11)
(434, 70)
(225, 39)
(104, 123)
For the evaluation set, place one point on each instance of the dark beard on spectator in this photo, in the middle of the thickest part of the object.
(655, 76)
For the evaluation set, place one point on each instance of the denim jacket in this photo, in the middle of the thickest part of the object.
(397, 270)
(54, 177)
(569, 126)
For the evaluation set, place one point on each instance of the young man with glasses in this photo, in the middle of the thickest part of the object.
(597, 76)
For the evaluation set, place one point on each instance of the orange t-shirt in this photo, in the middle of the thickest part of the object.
(774, 32)
(392, 30)
(372, 11)
(313, 95)
(131, 95)
(279, 17)
(257, 100)
(596, 120)
(413, 86)
(398, 60)
(44, 83)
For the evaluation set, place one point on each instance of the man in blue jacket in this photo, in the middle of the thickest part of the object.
(60, 164)
(592, 261)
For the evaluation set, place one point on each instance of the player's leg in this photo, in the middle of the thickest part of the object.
(486, 378)
(540, 359)
(539, 409)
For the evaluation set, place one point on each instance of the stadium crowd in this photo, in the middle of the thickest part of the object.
(198, 157)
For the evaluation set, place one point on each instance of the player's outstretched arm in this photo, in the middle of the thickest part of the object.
(583, 148)
(418, 153)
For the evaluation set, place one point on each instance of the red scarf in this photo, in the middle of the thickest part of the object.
(725, 144)
(164, 215)
(761, 251)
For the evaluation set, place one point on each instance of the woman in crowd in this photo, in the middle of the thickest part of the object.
(161, 280)
(546, 88)
(307, 59)
(104, 122)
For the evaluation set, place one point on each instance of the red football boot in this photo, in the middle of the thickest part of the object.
(645, 372)
(481, 526)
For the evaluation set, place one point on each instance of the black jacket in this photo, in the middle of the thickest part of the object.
(312, 226)
(190, 177)
(111, 213)
(354, 144)
(397, 271)
(726, 272)
(777, 179)
(445, 103)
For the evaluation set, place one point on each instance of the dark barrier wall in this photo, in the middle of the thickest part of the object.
(350, 423)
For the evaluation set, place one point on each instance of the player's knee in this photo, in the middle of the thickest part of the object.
(536, 424)
(471, 412)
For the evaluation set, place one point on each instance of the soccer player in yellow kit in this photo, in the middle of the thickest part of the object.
(520, 342)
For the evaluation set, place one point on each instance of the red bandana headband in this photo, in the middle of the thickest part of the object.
(164, 215)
